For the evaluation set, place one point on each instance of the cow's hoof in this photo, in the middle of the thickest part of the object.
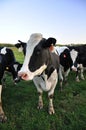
(83, 78)
(51, 110)
(3, 118)
(77, 80)
(40, 105)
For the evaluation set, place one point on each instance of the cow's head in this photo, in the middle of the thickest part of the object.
(13, 69)
(37, 56)
(74, 56)
(65, 59)
(21, 46)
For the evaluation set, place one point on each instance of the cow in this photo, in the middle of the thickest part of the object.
(41, 66)
(79, 63)
(21, 46)
(66, 63)
(9, 64)
(65, 59)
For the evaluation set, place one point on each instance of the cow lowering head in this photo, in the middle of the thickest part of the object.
(37, 56)
(65, 59)
(9, 63)
(13, 69)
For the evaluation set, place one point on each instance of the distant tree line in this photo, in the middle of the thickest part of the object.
(7, 45)
(11, 45)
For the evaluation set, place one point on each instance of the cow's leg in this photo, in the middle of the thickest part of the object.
(51, 94)
(3, 118)
(66, 75)
(3, 80)
(77, 76)
(39, 90)
(40, 101)
(51, 107)
(81, 73)
(61, 76)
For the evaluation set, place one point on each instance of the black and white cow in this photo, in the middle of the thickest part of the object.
(21, 46)
(65, 59)
(79, 63)
(41, 66)
(7, 63)
(66, 63)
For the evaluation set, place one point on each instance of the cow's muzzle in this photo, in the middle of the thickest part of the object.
(23, 76)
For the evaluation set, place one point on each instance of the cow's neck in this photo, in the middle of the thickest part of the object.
(50, 68)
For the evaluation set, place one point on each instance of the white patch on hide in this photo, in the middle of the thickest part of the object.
(73, 54)
(20, 49)
(15, 67)
(44, 83)
(3, 51)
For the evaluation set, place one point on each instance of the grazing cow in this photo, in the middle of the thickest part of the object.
(42, 66)
(21, 46)
(80, 61)
(7, 63)
(65, 63)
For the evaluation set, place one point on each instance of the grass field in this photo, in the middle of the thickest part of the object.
(20, 105)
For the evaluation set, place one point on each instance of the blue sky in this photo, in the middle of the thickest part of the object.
(63, 19)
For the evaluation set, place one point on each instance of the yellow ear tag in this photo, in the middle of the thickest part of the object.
(7, 68)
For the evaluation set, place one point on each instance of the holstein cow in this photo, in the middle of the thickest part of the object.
(80, 61)
(21, 46)
(65, 59)
(42, 66)
(65, 63)
(7, 63)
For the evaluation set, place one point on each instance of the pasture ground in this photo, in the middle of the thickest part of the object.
(20, 105)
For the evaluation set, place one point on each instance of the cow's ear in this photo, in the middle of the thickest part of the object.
(50, 41)
(19, 40)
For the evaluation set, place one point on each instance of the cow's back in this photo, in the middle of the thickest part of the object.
(7, 57)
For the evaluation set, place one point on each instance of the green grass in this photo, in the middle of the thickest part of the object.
(20, 105)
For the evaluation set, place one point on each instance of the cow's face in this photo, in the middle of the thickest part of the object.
(17, 66)
(74, 55)
(19, 46)
(37, 56)
(14, 68)
(65, 59)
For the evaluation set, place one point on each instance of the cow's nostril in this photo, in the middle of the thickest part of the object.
(23, 76)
